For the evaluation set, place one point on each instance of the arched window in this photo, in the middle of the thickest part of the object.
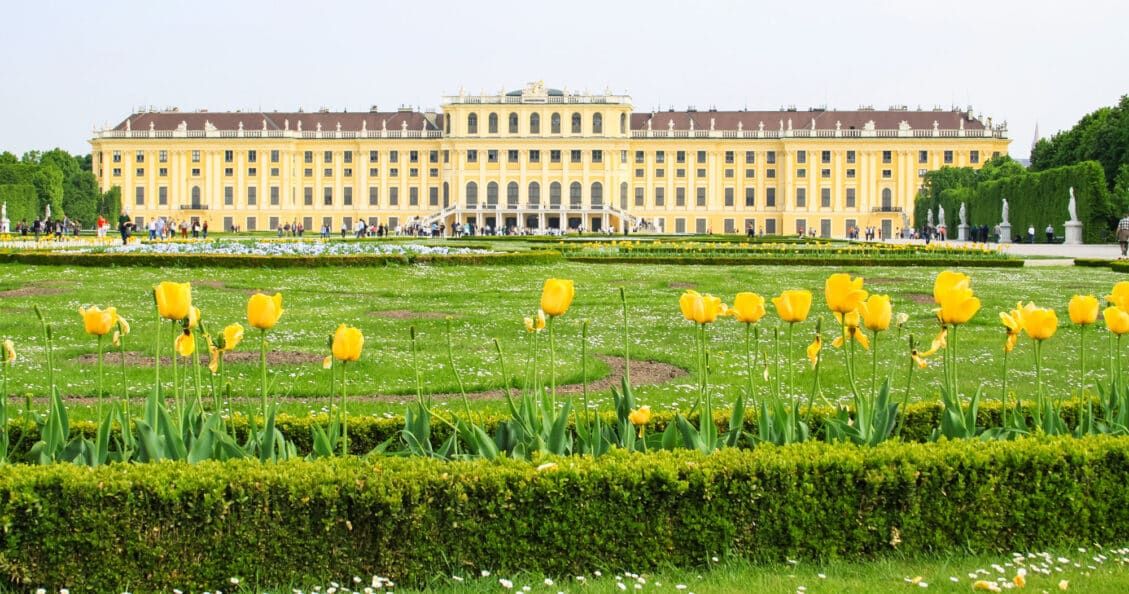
(574, 195)
(195, 196)
(471, 194)
(598, 123)
(492, 124)
(887, 199)
(576, 123)
(472, 124)
(597, 195)
(511, 195)
(534, 123)
(513, 123)
(555, 194)
(446, 195)
(623, 195)
(534, 193)
(555, 123)
(492, 194)
(623, 123)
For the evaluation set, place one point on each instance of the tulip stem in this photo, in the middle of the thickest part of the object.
(263, 371)
(198, 383)
(176, 379)
(626, 342)
(344, 409)
(552, 363)
(100, 376)
(584, 372)
(1003, 395)
(873, 363)
(415, 366)
(776, 358)
(157, 357)
(1039, 382)
(749, 362)
(125, 380)
(790, 362)
(1082, 379)
(909, 383)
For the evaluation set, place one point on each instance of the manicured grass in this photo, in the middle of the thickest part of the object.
(487, 303)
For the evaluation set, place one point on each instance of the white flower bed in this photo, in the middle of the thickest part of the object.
(283, 248)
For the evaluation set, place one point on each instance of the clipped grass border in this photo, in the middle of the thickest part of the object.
(243, 261)
(800, 261)
(159, 526)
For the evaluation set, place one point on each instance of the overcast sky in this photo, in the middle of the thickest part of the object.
(69, 66)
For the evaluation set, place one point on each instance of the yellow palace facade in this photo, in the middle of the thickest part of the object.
(539, 159)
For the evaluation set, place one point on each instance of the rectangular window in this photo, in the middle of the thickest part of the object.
(729, 156)
(413, 196)
(511, 156)
(851, 173)
(597, 156)
(680, 157)
(347, 197)
(700, 226)
(574, 156)
(679, 225)
(728, 173)
(887, 173)
(251, 171)
(638, 196)
(700, 197)
(922, 156)
(680, 197)
(252, 195)
(274, 171)
(660, 196)
(535, 156)
(373, 156)
(825, 157)
(274, 156)
(729, 196)
(750, 197)
(660, 156)
(327, 172)
(640, 172)
(308, 196)
(163, 172)
(801, 197)
(162, 196)
(393, 156)
(730, 226)
(850, 197)
(555, 156)
(433, 196)
(163, 156)
(308, 172)
(327, 157)
(413, 172)
(117, 158)
(922, 172)
(801, 156)
(887, 156)
(701, 156)
(413, 156)
(750, 157)
(750, 173)
(274, 193)
(825, 197)
(679, 173)
(639, 158)
(229, 195)
(801, 172)
(770, 226)
(492, 155)
(393, 196)
(347, 172)
(825, 173)
(770, 157)
(850, 156)
(433, 172)
(228, 156)
(140, 157)
(974, 157)
(472, 156)
(948, 157)
(327, 196)
(660, 172)
(373, 196)
(433, 156)
(252, 156)
(251, 224)
(770, 197)
(140, 196)
(195, 172)
(308, 157)
(140, 171)
(770, 173)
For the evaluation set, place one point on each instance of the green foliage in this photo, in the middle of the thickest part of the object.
(172, 525)
(22, 202)
(229, 261)
(983, 261)
(1101, 136)
(46, 179)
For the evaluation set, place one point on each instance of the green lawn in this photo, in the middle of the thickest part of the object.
(1088, 569)
(489, 302)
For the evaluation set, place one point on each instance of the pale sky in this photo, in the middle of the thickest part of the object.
(69, 66)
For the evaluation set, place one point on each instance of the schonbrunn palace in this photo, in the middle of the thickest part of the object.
(539, 159)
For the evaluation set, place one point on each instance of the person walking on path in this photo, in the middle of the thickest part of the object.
(1123, 233)
(1050, 234)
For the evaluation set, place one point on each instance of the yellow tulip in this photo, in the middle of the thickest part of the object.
(263, 311)
(1116, 319)
(699, 308)
(193, 316)
(173, 300)
(958, 306)
(793, 305)
(947, 282)
(1083, 309)
(347, 343)
(123, 325)
(185, 345)
(98, 322)
(748, 307)
(327, 362)
(1013, 323)
(539, 321)
(1120, 295)
(640, 417)
(213, 357)
(813, 350)
(9, 350)
(939, 342)
(556, 296)
(1040, 323)
(1019, 580)
(232, 336)
(918, 359)
(528, 321)
(842, 293)
(851, 321)
(876, 312)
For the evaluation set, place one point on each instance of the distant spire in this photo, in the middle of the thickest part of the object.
(1035, 140)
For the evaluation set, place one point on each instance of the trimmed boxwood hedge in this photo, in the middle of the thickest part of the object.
(159, 526)
(63, 258)
(801, 261)
(1093, 262)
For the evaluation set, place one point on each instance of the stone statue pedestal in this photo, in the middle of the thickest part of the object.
(1073, 233)
(5, 226)
(1005, 232)
(962, 232)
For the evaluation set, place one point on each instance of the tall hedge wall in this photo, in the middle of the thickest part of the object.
(154, 527)
(46, 179)
(22, 202)
(1035, 199)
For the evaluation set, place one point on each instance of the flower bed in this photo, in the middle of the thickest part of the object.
(163, 526)
(71, 258)
(291, 248)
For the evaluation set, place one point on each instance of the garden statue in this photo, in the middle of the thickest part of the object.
(1072, 207)
(1003, 213)
(940, 216)
(962, 228)
(4, 222)
(47, 213)
(963, 214)
(1073, 227)
(1005, 226)
(929, 218)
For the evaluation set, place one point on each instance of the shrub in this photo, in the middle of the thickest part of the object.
(164, 525)
(22, 201)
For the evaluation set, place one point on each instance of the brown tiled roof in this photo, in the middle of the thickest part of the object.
(824, 120)
(253, 120)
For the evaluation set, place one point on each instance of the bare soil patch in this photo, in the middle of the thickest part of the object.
(211, 284)
(922, 298)
(136, 359)
(889, 281)
(682, 285)
(42, 288)
(404, 314)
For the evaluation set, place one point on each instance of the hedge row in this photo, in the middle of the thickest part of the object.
(63, 258)
(1093, 262)
(366, 433)
(160, 526)
(22, 201)
(802, 261)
